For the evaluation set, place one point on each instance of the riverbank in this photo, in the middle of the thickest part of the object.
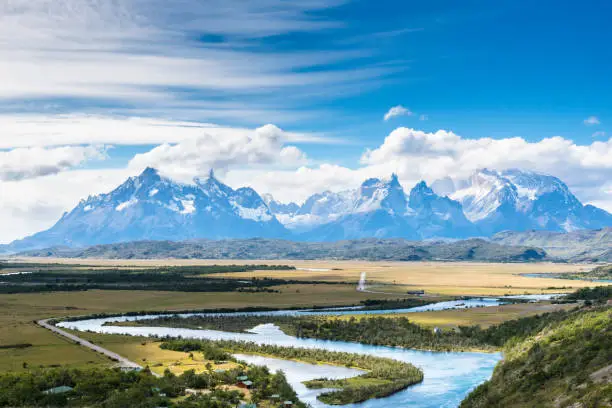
(383, 376)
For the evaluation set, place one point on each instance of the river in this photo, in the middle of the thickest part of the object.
(448, 376)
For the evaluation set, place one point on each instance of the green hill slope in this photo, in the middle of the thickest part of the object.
(567, 364)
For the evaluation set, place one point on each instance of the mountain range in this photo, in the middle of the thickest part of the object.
(152, 207)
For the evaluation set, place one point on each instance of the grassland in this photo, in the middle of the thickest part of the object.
(444, 278)
(447, 278)
(395, 278)
(147, 352)
(19, 312)
(481, 316)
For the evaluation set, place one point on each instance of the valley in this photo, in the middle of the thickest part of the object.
(393, 285)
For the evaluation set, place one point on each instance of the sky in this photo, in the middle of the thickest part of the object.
(296, 97)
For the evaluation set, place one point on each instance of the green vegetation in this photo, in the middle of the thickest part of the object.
(405, 303)
(598, 294)
(565, 364)
(49, 278)
(603, 272)
(111, 388)
(384, 376)
(388, 331)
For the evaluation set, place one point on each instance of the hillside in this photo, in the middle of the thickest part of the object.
(575, 246)
(367, 249)
(567, 364)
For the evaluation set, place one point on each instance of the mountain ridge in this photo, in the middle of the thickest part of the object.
(371, 249)
(152, 207)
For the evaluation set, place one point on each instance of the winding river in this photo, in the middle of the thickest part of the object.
(449, 376)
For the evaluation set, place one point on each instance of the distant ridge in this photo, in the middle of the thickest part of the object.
(257, 248)
(575, 246)
(152, 207)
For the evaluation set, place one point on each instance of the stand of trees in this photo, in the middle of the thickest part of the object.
(113, 388)
(384, 376)
(181, 279)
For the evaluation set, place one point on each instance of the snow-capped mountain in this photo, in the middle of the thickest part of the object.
(521, 200)
(151, 207)
(438, 216)
(378, 208)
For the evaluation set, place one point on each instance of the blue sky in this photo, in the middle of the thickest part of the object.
(95, 90)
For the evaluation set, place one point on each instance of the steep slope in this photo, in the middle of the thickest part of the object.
(521, 200)
(152, 207)
(377, 209)
(576, 246)
(567, 364)
(437, 216)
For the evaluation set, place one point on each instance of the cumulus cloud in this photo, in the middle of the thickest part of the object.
(263, 146)
(398, 110)
(430, 156)
(31, 205)
(265, 159)
(592, 120)
(23, 163)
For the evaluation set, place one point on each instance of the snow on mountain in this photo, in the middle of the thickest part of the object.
(437, 216)
(378, 208)
(520, 200)
(151, 207)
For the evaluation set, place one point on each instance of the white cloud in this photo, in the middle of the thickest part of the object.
(599, 133)
(23, 163)
(263, 146)
(147, 53)
(592, 120)
(423, 117)
(31, 205)
(265, 159)
(395, 111)
(418, 155)
(54, 130)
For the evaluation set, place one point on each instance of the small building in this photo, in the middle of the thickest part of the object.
(242, 378)
(437, 330)
(416, 292)
(288, 403)
(130, 368)
(58, 390)
(275, 396)
(245, 384)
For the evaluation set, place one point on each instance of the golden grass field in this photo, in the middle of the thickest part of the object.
(482, 316)
(20, 311)
(447, 278)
